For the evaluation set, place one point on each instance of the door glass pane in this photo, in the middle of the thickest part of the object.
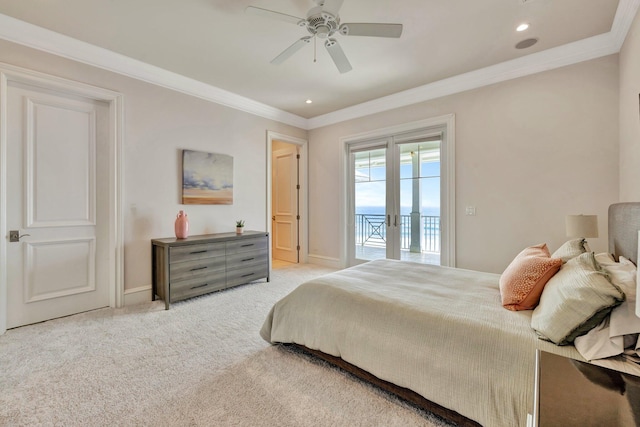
(420, 202)
(370, 171)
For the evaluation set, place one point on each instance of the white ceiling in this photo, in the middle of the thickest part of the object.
(216, 43)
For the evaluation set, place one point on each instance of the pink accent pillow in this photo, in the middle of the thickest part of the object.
(521, 284)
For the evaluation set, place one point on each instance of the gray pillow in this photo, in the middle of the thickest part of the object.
(575, 300)
(570, 249)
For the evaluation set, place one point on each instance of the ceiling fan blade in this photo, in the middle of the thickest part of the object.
(286, 54)
(338, 56)
(332, 6)
(273, 15)
(371, 30)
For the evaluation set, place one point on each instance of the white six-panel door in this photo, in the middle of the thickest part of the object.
(57, 200)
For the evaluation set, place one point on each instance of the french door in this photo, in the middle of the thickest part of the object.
(371, 201)
(395, 198)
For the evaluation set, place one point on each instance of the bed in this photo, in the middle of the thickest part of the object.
(437, 336)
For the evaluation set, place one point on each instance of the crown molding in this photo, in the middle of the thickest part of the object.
(583, 50)
(625, 14)
(561, 56)
(39, 38)
(24, 33)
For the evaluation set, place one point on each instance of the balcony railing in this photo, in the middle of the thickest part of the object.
(371, 231)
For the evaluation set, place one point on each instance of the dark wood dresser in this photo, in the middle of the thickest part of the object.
(185, 268)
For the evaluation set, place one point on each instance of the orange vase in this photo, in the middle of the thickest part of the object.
(182, 225)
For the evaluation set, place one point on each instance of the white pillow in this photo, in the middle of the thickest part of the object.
(574, 301)
(622, 273)
(608, 338)
(623, 318)
(570, 249)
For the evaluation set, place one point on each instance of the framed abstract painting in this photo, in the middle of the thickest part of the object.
(207, 178)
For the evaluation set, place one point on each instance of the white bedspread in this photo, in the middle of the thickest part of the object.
(438, 331)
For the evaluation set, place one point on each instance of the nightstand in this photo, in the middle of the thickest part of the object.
(573, 393)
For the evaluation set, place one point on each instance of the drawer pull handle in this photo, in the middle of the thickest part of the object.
(199, 268)
(247, 259)
(247, 275)
(246, 246)
(198, 252)
(199, 286)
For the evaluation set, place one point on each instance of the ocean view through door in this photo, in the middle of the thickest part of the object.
(370, 196)
(396, 200)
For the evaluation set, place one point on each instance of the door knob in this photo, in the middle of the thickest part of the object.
(15, 236)
(273, 218)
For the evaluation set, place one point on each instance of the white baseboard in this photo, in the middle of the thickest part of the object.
(324, 261)
(137, 295)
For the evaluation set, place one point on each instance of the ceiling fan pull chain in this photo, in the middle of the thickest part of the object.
(315, 46)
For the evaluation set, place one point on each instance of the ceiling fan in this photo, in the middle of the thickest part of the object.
(323, 22)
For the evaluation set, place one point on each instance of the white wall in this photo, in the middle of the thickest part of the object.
(158, 124)
(630, 115)
(528, 152)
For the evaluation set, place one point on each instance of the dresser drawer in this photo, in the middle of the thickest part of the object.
(198, 285)
(245, 245)
(194, 252)
(247, 274)
(243, 259)
(199, 267)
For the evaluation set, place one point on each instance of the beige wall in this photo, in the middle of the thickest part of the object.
(630, 115)
(158, 124)
(528, 152)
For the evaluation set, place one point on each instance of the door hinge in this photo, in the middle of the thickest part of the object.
(298, 187)
(298, 247)
(298, 156)
(298, 217)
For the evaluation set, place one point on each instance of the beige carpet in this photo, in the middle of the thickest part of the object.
(202, 363)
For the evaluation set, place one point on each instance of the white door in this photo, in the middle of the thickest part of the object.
(395, 198)
(285, 203)
(372, 203)
(57, 200)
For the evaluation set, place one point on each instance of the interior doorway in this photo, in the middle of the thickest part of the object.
(285, 206)
(287, 199)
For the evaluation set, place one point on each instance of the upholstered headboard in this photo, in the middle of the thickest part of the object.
(624, 223)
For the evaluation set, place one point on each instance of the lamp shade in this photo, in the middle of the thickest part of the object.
(582, 225)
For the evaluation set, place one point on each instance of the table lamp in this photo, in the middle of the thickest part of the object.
(582, 226)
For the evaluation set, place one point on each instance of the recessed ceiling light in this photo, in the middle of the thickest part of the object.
(522, 27)
(308, 101)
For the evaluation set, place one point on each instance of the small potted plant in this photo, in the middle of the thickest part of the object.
(239, 226)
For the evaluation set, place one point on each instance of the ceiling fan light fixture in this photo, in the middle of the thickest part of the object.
(323, 32)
